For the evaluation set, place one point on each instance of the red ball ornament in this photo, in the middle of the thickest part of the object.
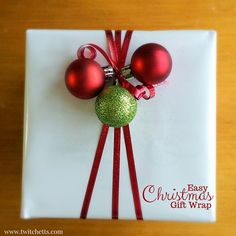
(151, 63)
(84, 78)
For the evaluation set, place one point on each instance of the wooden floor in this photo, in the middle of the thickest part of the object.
(16, 16)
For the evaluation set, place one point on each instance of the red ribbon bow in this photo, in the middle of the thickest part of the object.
(116, 59)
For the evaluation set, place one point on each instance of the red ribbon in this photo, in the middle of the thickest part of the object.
(116, 174)
(132, 172)
(94, 171)
(116, 59)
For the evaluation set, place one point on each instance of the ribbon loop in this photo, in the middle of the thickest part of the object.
(81, 52)
(143, 91)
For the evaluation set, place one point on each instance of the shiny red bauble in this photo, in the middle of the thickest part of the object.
(151, 63)
(84, 78)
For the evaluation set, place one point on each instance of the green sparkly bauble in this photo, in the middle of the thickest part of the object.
(115, 106)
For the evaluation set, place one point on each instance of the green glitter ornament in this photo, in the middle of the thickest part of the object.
(115, 106)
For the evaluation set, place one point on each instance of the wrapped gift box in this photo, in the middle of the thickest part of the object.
(173, 134)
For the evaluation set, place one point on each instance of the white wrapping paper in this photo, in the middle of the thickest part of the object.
(173, 134)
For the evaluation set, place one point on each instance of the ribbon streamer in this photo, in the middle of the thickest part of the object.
(132, 172)
(94, 171)
(116, 174)
(116, 59)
